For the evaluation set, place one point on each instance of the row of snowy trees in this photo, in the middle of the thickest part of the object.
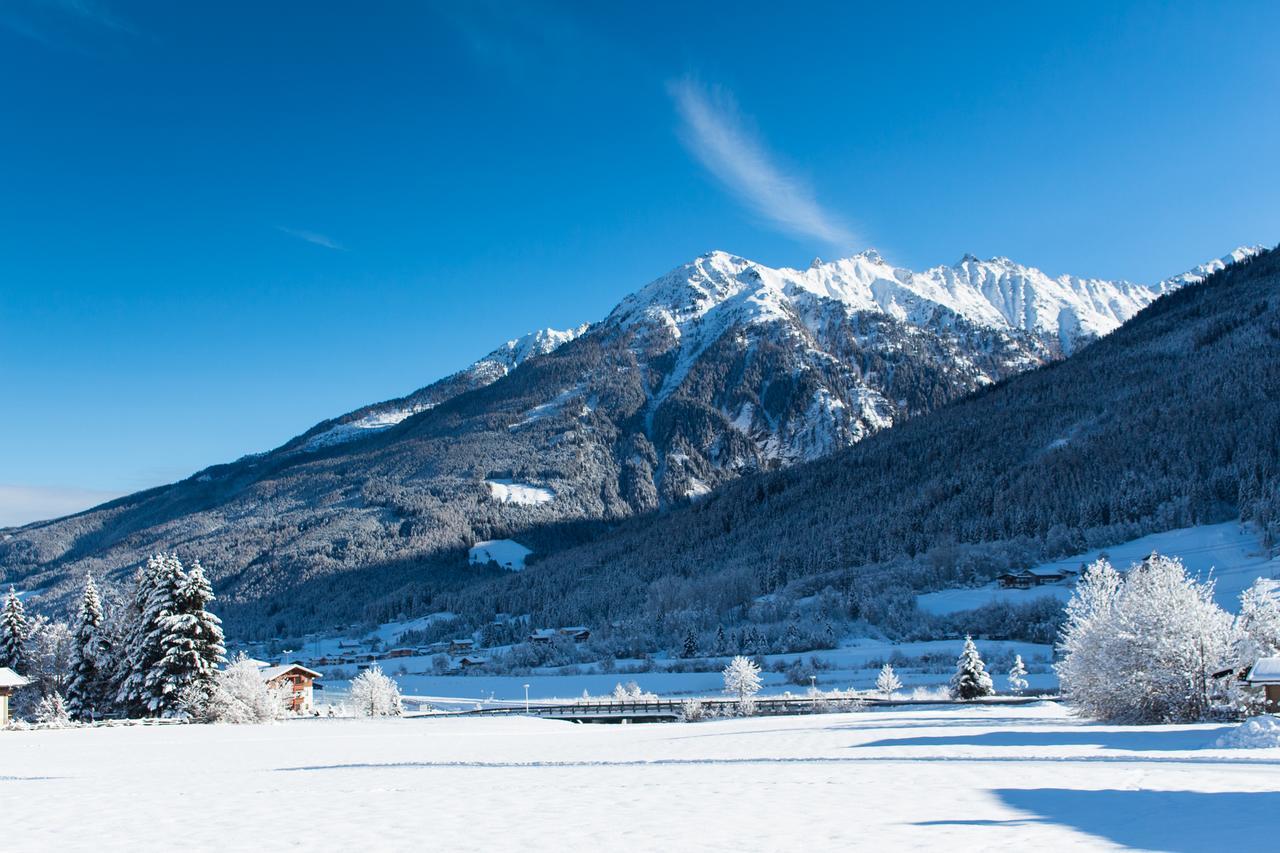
(1151, 645)
(155, 653)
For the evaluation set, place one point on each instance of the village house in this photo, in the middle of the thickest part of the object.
(460, 646)
(1266, 674)
(300, 680)
(1028, 578)
(9, 682)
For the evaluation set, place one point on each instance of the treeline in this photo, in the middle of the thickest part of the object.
(149, 650)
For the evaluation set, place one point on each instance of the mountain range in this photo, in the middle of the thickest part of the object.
(722, 368)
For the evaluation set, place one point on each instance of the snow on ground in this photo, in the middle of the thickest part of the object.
(507, 553)
(1231, 551)
(372, 422)
(510, 492)
(936, 778)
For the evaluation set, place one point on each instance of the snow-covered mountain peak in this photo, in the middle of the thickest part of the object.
(1203, 271)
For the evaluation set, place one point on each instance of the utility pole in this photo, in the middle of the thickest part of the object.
(526, 700)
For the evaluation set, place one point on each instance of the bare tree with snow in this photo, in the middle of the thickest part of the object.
(887, 682)
(373, 694)
(1141, 648)
(742, 679)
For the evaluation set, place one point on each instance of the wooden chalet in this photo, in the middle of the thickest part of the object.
(300, 680)
(9, 682)
(1266, 674)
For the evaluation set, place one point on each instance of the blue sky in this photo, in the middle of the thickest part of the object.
(221, 223)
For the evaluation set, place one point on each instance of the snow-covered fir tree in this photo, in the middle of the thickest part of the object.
(373, 694)
(14, 630)
(138, 655)
(742, 679)
(191, 644)
(1142, 648)
(971, 679)
(87, 697)
(690, 649)
(1017, 676)
(887, 682)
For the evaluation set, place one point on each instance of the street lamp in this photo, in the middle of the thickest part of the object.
(526, 700)
(813, 684)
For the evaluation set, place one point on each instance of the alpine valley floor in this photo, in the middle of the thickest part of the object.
(941, 777)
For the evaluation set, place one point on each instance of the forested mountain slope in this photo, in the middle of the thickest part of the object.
(720, 369)
(1172, 420)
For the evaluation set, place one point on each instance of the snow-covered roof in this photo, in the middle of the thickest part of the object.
(271, 673)
(260, 664)
(1265, 671)
(9, 678)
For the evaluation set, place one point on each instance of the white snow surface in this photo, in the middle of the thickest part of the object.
(1255, 733)
(932, 778)
(507, 553)
(718, 289)
(1231, 553)
(525, 494)
(375, 421)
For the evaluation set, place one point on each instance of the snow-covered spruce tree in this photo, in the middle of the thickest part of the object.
(1017, 676)
(742, 679)
(887, 681)
(191, 645)
(154, 599)
(971, 679)
(690, 649)
(87, 690)
(51, 711)
(1142, 649)
(14, 630)
(373, 694)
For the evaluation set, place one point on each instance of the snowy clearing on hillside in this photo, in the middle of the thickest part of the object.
(940, 778)
(525, 494)
(507, 553)
(1230, 551)
(370, 423)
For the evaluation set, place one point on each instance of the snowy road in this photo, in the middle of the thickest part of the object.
(936, 778)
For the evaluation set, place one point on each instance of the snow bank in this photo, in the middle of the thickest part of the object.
(1256, 733)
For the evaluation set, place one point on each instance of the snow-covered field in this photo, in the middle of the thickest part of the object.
(1230, 553)
(939, 778)
(507, 553)
(525, 494)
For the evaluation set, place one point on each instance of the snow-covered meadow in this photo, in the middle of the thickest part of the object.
(944, 777)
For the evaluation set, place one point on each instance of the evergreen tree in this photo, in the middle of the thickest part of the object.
(1017, 676)
(971, 679)
(191, 645)
(721, 648)
(887, 681)
(14, 631)
(87, 692)
(690, 649)
(155, 599)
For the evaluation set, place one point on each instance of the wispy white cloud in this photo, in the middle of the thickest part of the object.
(312, 237)
(25, 504)
(61, 23)
(713, 130)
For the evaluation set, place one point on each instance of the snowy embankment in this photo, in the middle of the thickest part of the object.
(1229, 552)
(963, 778)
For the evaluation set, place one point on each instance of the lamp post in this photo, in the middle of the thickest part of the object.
(526, 700)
